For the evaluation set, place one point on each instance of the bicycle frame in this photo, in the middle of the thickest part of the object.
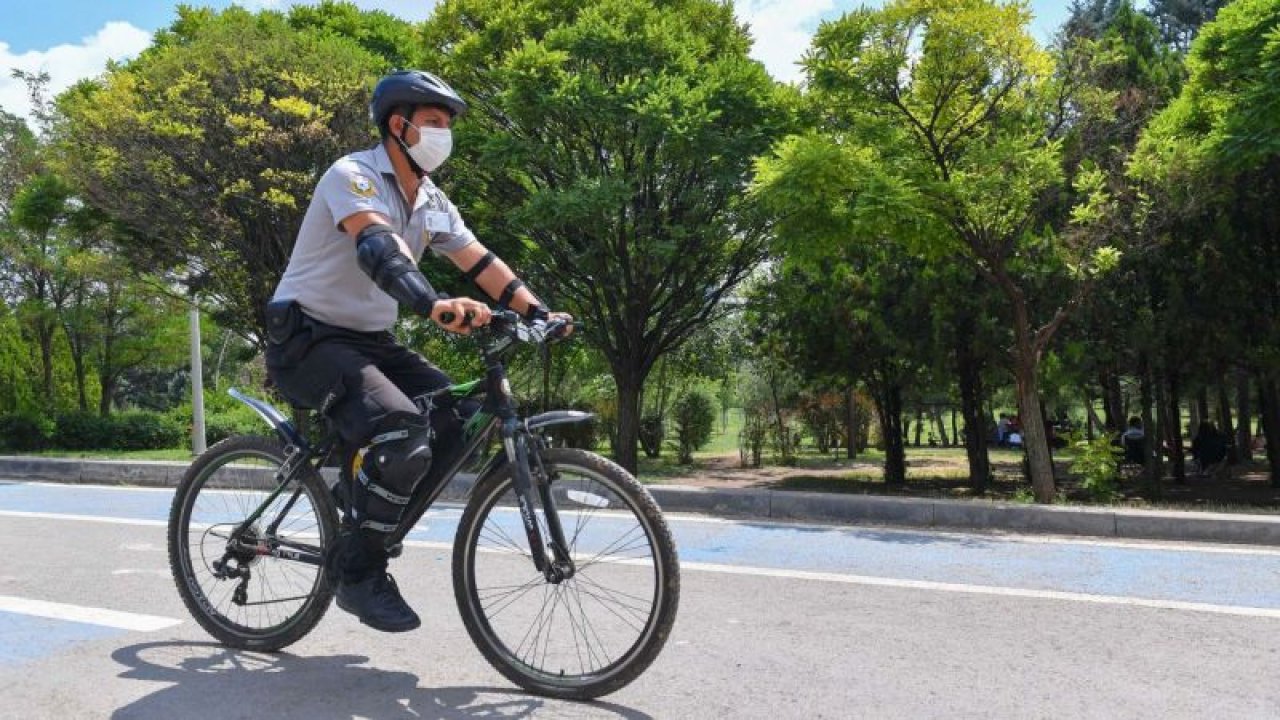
(498, 413)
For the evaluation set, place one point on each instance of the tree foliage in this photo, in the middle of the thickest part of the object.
(205, 149)
(612, 139)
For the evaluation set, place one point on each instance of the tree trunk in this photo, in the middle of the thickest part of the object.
(942, 429)
(889, 410)
(1177, 455)
(919, 425)
(1034, 441)
(108, 386)
(1202, 406)
(1152, 466)
(628, 422)
(851, 422)
(1244, 413)
(1269, 407)
(45, 338)
(1224, 415)
(955, 429)
(1112, 402)
(82, 396)
(969, 377)
(1193, 417)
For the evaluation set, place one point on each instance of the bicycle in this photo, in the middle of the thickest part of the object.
(546, 535)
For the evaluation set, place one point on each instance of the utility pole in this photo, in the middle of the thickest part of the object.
(197, 385)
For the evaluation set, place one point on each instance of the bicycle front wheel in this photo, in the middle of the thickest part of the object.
(594, 632)
(256, 590)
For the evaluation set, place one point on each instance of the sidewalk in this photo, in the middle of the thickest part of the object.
(792, 505)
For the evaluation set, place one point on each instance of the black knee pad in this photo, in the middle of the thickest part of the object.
(395, 461)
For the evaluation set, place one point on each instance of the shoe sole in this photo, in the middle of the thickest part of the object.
(417, 622)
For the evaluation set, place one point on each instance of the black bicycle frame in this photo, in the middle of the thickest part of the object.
(516, 437)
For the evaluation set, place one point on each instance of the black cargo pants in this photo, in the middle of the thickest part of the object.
(355, 378)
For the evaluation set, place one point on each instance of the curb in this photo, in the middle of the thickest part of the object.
(788, 505)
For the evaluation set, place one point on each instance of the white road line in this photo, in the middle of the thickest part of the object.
(82, 518)
(985, 590)
(93, 616)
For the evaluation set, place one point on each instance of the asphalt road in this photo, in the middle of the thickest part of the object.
(776, 621)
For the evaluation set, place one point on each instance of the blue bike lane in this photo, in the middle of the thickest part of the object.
(1233, 576)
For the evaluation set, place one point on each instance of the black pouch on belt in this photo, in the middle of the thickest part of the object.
(284, 319)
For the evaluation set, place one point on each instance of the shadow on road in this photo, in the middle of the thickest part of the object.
(207, 680)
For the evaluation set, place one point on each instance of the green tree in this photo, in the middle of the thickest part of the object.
(205, 149)
(37, 265)
(1215, 151)
(611, 139)
(1180, 20)
(693, 416)
(964, 112)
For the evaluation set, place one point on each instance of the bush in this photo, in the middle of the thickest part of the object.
(83, 431)
(755, 428)
(220, 426)
(694, 417)
(25, 432)
(1096, 465)
(143, 430)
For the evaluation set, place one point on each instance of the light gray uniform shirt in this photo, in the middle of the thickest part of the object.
(323, 275)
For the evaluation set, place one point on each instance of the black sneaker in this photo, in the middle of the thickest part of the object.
(376, 601)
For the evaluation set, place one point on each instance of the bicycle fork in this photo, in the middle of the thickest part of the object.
(559, 566)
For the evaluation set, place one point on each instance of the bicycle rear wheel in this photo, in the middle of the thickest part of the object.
(239, 591)
(594, 632)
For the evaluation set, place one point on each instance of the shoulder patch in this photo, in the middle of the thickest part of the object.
(362, 186)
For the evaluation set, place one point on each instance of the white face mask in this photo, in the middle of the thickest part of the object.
(433, 147)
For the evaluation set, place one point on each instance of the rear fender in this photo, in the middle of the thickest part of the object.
(276, 419)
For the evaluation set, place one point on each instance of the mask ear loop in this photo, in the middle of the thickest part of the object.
(404, 147)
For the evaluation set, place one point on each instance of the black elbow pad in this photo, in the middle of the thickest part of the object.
(378, 254)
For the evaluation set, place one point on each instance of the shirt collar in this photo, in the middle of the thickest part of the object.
(382, 161)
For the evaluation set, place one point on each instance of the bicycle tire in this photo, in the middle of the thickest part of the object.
(245, 489)
(618, 489)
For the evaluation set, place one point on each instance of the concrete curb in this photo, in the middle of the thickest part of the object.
(789, 505)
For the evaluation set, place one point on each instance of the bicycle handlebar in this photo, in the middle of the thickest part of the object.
(511, 324)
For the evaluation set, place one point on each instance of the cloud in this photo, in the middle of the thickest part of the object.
(782, 30)
(67, 64)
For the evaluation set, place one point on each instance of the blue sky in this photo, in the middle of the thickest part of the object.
(73, 39)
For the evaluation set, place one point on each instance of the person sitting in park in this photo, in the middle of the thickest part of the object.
(1208, 447)
(1002, 430)
(1134, 442)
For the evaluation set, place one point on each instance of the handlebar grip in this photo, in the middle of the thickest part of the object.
(449, 317)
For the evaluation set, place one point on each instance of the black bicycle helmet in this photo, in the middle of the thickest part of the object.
(413, 88)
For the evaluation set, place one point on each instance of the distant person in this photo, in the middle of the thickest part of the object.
(1208, 447)
(1134, 442)
(1002, 430)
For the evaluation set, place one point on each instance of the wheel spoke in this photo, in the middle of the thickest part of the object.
(592, 625)
(225, 491)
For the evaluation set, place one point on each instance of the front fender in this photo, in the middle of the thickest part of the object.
(557, 417)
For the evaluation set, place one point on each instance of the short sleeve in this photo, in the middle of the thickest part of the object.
(458, 237)
(347, 189)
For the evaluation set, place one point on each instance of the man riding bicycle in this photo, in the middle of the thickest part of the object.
(373, 214)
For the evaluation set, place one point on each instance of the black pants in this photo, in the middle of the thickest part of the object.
(352, 377)
(355, 378)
